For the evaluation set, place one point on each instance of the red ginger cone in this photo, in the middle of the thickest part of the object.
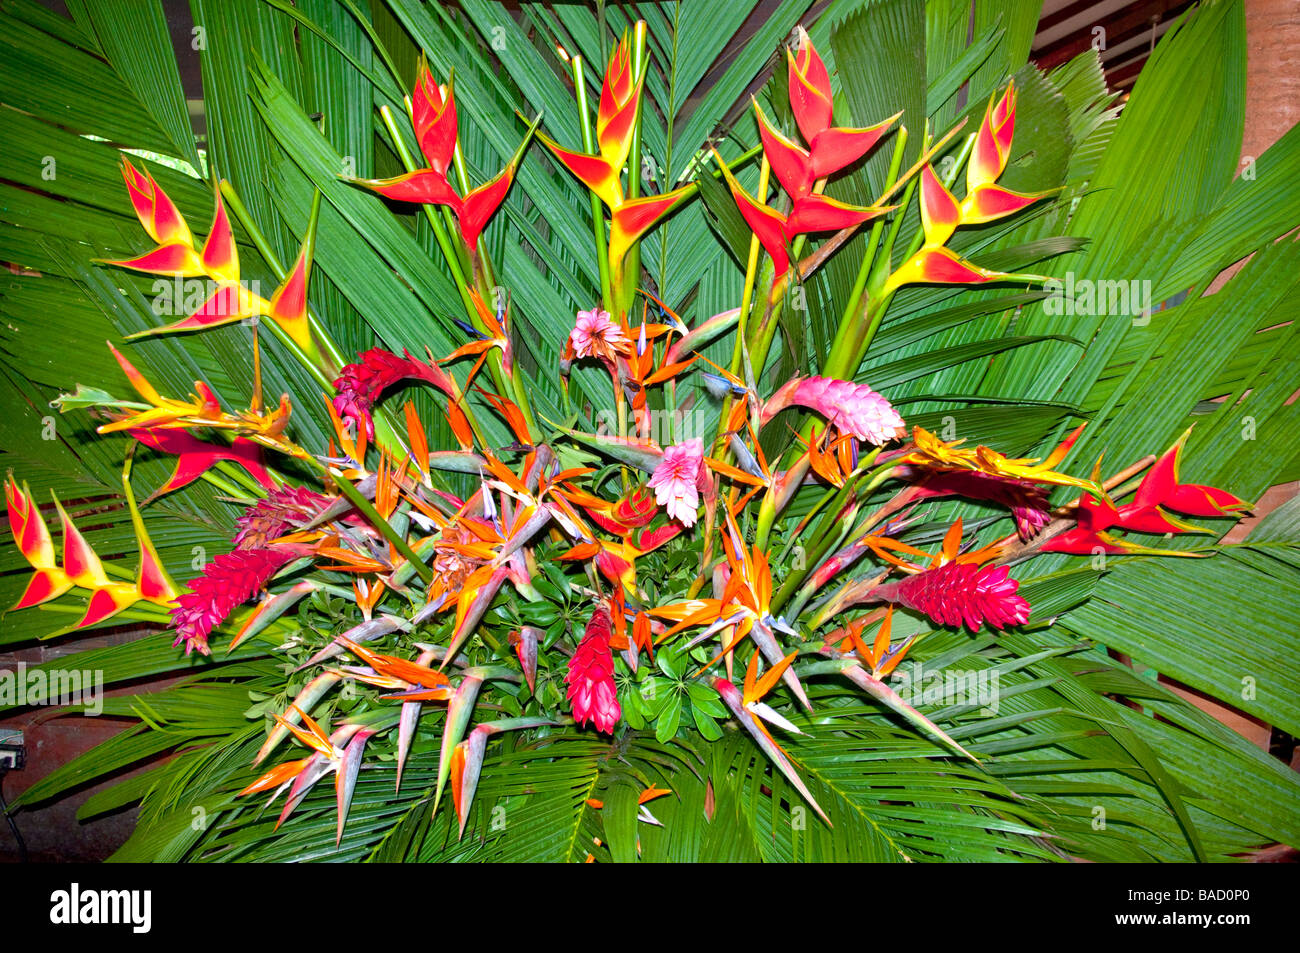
(591, 677)
(963, 592)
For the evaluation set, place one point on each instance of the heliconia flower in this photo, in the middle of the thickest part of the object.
(1146, 514)
(626, 515)
(81, 566)
(797, 168)
(853, 408)
(809, 212)
(218, 260)
(590, 679)
(195, 456)
(227, 582)
(676, 480)
(1161, 487)
(830, 148)
(630, 219)
(1027, 501)
(433, 114)
(992, 148)
(941, 213)
(961, 592)
(620, 97)
(32, 537)
(1095, 520)
(155, 210)
(620, 94)
(595, 335)
(283, 509)
(810, 88)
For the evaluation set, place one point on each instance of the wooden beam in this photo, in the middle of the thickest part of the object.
(1125, 21)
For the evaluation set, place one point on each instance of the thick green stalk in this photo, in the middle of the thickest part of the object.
(597, 209)
(367, 509)
(742, 320)
(452, 251)
(844, 341)
(321, 373)
(385, 433)
(630, 278)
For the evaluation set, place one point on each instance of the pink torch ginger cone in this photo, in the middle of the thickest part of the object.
(591, 677)
(852, 408)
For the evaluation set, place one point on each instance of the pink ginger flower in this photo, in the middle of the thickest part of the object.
(676, 480)
(852, 408)
(961, 592)
(283, 510)
(595, 335)
(591, 677)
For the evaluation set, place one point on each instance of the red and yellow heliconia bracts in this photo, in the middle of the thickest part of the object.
(802, 171)
(985, 201)
(80, 566)
(433, 113)
(218, 260)
(602, 173)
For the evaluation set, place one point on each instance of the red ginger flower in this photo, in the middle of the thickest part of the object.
(591, 677)
(962, 592)
(359, 385)
(227, 582)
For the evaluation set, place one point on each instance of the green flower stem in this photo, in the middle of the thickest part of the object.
(485, 281)
(487, 277)
(240, 211)
(823, 538)
(224, 485)
(453, 254)
(882, 270)
(751, 271)
(869, 256)
(742, 320)
(844, 341)
(766, 517)
(597, 209)
(632, 261)
(876, 478)
(368, 510)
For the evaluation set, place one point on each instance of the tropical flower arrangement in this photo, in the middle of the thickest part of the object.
(699, 563)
